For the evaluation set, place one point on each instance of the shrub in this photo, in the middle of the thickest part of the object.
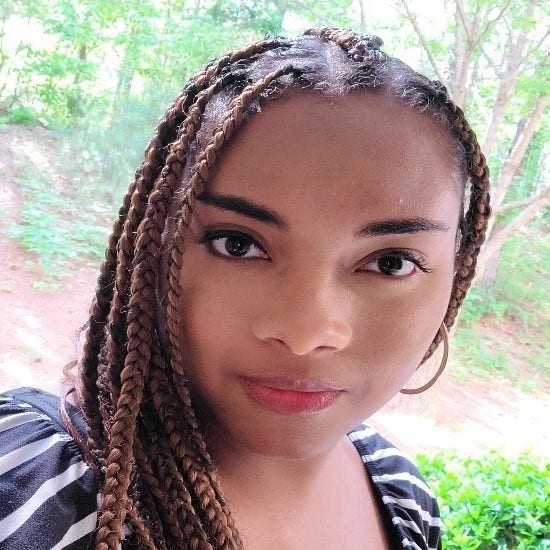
(491, 503)
(57, 226)
(21, 115)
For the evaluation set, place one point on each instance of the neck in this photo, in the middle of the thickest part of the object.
(323, 497)
(243, 470)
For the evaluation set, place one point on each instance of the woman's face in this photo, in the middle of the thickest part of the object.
(317, 269)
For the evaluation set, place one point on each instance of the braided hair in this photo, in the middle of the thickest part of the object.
(144, 439)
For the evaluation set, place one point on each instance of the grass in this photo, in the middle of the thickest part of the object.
(58, 227)
(474, 355)
(519, 300)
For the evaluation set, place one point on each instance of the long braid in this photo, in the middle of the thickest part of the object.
(180, 518)
(93, 338)
(144, 515)
(140, 320)
(101, 307)
(474, 225)
(205, 484)
(134, 390)
(174, 427)
(141, 324)
(156, 158)
(156, 485)
(141, 531)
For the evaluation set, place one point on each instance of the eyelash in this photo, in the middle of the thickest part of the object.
(212, 235)
(404, 255)
(209, 236)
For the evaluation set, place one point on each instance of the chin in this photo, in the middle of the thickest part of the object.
(299, 451)
(289, 438)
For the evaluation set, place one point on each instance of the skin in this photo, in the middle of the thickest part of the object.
(308, 300)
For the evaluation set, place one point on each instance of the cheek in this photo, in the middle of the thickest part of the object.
(212, 320)
(198, 329)
(397, 327)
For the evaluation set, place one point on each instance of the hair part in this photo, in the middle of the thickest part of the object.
(144, 439)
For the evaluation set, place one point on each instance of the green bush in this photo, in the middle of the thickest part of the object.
(491, 503)
(21, 115)
(56, 226)
(519, 303)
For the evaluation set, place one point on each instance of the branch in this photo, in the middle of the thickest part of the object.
(515, 158)
(516, 204)
(412, 18)
(498, 239)
(535, 47)
(462, 15)
(492, 22)
(363, 15)
(492, 64)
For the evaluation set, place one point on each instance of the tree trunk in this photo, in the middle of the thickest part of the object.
(493, 246)
(466, 37)
(515, 159)
(363, 15)
(458, 59)
(508, 81)
(473, 78)
(487, 273)
(124, 85)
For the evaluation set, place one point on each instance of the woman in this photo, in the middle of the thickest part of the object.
(296, 243)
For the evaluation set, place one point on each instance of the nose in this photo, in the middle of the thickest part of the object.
(306, 316)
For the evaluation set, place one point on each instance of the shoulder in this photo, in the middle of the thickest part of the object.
(49, 496)
(405, 495)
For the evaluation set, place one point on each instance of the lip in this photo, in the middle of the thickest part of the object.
(292, 396)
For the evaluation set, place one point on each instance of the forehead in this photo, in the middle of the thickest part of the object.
(363, 151)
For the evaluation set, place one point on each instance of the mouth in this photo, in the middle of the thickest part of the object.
(292, 396)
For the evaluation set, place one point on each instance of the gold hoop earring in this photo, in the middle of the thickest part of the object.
(441, 368)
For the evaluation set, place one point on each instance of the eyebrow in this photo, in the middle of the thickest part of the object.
(407, 225)
(250, 209)
(243, 206)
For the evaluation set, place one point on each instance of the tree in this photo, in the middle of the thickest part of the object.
(496, 71)
(109, 67)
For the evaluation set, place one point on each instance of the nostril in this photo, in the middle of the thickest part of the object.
(295, 347)
(279, 341)
(325, 348)
(321, 336)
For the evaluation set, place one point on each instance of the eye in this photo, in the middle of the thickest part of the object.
(395, 263)
(232, 244)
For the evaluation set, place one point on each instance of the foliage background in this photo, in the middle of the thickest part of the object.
(491, 503)
(98, 74)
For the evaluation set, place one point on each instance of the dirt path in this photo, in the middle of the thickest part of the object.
(38, 327)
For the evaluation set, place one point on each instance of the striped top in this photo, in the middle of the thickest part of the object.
(48, 495)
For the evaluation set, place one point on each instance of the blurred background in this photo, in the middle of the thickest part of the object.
(82, 85)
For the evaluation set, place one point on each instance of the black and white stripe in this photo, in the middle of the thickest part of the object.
(410, 504)
(48, 497)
